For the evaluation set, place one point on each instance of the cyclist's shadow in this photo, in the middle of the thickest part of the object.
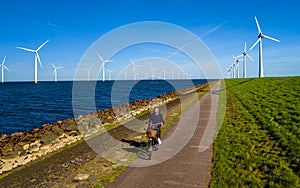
(143, 153)
(139, 149)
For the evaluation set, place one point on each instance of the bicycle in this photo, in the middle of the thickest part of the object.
(152, 134)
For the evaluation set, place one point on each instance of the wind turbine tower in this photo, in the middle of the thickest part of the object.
(109, 74)
(88, 73)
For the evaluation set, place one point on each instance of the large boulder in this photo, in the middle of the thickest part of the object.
(70, 125)
(19, 148)
(48, 137)
(9, 154)
(2, 137)
(57, 130)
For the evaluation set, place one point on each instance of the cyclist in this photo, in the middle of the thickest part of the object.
(156, 120)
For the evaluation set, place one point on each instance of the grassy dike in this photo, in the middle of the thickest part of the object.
(258, 144)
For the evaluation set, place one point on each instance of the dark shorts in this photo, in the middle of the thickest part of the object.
(158, 131)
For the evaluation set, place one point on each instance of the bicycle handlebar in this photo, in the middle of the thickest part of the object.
(154, 126)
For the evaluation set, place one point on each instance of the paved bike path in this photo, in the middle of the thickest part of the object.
(191, 167)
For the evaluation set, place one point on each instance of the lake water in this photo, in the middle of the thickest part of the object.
(27, 105)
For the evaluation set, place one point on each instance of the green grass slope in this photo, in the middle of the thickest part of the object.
(259, 142)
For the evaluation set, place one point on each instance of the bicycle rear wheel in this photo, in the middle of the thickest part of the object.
(150, 148)
(155, 144)
(155, 147)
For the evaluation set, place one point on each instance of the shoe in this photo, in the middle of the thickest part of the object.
(159, 141)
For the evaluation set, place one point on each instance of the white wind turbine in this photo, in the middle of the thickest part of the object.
(55, 71)
(36, 59)
(164, 72)
(228, 70)
(109, 74)
(244, 55)
(134, 69)
(104, 61)
(88, 72)
(3, 67)
(232, 67)
(153, 72)
(125, 75)
(259, 40)
(236, 66)
(232, 71)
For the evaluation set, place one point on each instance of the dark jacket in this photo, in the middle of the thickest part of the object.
(155, 120)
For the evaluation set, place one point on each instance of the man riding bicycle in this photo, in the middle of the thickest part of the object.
(156, 120)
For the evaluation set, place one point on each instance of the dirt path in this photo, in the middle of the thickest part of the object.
(189, 167)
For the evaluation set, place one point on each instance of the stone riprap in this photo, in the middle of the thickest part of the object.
(20, 148)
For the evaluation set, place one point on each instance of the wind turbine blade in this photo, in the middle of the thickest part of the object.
(250, 57)
(132, 62)
(271, 38)
(257, 24)
(53, 66)
(59, 67)
(3, 60)
(100, 57)
(6, 67)
(42, 45)
(239, 56)
(38, 57)
(107, 61)
(26, 49)
(255, 44)
(245, 47)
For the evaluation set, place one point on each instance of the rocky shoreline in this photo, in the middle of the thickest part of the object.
(21, 148)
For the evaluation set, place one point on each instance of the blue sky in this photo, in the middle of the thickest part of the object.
(73, 26)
